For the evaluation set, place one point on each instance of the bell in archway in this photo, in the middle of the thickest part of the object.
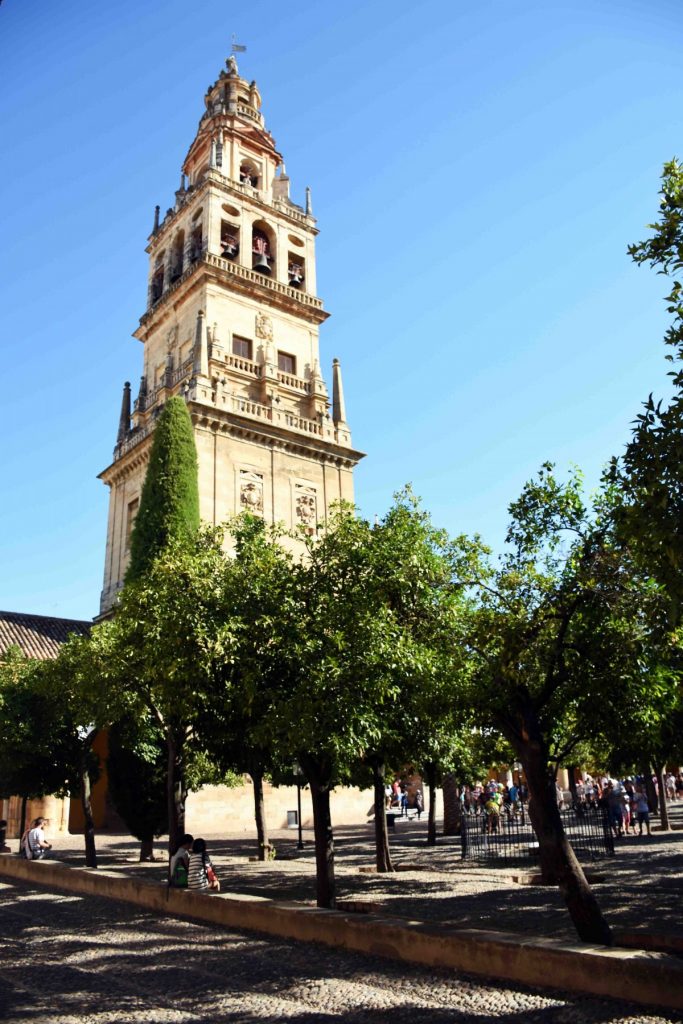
(261, 263)
(230, 248)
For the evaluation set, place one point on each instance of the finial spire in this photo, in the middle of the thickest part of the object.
(142, 395)
(309, 207)
(338, 404)
(156, 220)
(124, 418)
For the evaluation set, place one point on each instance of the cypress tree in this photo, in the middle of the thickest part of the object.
(169, 503)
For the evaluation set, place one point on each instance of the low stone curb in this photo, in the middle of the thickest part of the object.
(650, 978)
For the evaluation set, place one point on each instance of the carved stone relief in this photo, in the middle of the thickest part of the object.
(306, 507)
(251, 492)
(264, 327)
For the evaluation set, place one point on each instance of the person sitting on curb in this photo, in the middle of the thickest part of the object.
(36, 841)
(180, 861)
(200, 873)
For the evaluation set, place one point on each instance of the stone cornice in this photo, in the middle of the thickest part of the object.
(272, 436)
(214, 177)
(239, 279)
(217, 420)
(125, 465)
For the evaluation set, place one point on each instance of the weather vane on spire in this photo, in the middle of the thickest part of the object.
(231, 62)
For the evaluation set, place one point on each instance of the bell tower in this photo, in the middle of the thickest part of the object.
(231, 325)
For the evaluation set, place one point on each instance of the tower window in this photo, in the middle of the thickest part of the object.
(230, 240)
(241, 347)
(249, 174)
(286, 363)
(131, 513)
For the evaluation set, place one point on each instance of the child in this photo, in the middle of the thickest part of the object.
(180, 862)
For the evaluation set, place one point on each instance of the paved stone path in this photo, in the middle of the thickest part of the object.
(79, 960)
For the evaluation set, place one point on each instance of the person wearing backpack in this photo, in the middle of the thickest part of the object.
(180, 862)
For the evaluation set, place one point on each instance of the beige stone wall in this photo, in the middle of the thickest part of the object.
(217, 809)
(51, 807)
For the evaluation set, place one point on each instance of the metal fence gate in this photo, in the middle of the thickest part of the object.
(510, 838)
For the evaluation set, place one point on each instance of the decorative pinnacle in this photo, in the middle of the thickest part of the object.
(200, 366)
(124, 418)
(338, 404)
(309, 207)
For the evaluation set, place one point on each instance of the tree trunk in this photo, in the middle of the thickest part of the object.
(558, 861)
(88, 820)
(452, 806)
(22, 823)
(147, 849)
(175, 794)
(651, 791)
(319, 776)
(430, 773)
(382, 852)
(260, 814)
(664, 822)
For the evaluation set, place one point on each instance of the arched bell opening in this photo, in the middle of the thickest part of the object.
(196, 243)
(262, 249)
(157, 285)
(230, 240)
(296, 270)
(178, 256)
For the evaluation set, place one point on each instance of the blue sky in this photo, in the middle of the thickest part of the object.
(477, 173)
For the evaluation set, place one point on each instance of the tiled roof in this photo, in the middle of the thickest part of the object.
(38, 636)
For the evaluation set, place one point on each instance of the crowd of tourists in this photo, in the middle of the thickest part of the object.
(625, 800)
(398, 798)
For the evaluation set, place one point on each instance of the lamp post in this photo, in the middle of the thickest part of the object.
(298, 774)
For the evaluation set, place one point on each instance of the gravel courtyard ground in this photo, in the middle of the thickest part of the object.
(641, 887)
(79, 960)
(68, 958)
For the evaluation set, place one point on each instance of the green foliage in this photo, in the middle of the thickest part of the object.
(159, 652)
(39, 747)
(664, 251)
(169, 503)
(649, 478)
(565, 624)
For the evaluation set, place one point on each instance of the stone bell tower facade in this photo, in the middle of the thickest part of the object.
(232, 326)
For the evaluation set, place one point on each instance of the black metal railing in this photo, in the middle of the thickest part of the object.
(510, 839)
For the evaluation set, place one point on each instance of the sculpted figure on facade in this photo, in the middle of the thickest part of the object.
(264, 327)
(306, 508)
(251, 493)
